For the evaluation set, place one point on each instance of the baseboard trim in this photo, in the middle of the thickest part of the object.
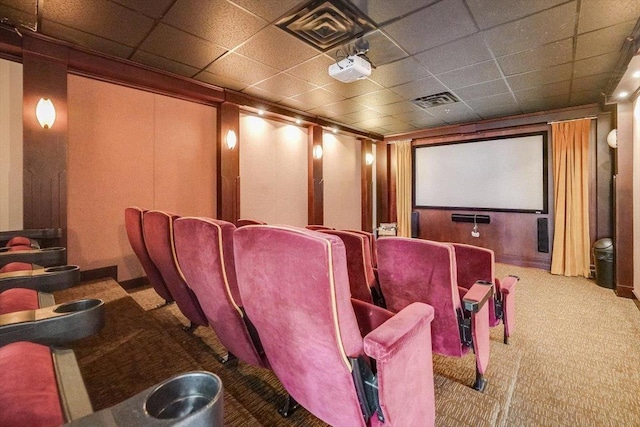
(138, 282)
(99, 273)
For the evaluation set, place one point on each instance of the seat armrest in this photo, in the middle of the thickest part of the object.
(477, 296)
(369, 316)
(397, 332)
(505, 286)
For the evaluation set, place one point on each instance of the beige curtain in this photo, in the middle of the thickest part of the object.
(571, 204)
(403, 187)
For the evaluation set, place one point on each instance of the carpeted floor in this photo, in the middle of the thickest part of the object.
(574, 360)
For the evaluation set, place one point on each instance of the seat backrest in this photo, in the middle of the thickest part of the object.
(295, 288)
(412, 270)
(361, 276)
(245, 221)
(372, 245)
(158, 236)
(473, 263)
(316, 227)
(204, 248)
(133, 219)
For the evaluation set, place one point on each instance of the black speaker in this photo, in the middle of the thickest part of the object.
(415, 224)
(543, 235)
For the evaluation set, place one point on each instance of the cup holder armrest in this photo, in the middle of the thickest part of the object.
(42, 279)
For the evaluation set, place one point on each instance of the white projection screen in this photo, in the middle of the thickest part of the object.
(505, 174)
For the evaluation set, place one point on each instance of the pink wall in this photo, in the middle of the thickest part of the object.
(342, 186)
(129, 147)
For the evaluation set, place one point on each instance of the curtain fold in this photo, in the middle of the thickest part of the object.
(403, 187)
(571, 244)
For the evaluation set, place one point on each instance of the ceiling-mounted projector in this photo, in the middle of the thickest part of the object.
(350, 69)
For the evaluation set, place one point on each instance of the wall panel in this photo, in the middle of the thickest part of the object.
(273, 171)
(342, 182)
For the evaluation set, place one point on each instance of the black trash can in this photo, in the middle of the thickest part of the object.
(603, 257)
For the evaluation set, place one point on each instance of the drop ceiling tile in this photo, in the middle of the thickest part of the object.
(293, 103)
(220, 81)
(268, 9)
(483, 89)
(153, 9)
(381, 97)
(595, 65)
(422, 87)
(384, 10)
(540, 77)
(451, 112)
(344, 107)
(349, 90)
(498, 111)
(596, 83)
(317, 98)
(595, 14)
(315, 70)
(460, 53)
(489, 13)
(397, 108)
(206, 19)
(399, 72)
(164, 64)
(473, 74)
(324, 112)
(495, 101)
(362, 115)
(382, 50)
(263, 94)
(538, 58)
(412, 116)
(587, 97)
(241, 68)
(536, 30)
(286, 85)
(427, 122)
(438, 24)
(177, 45)
(89, 41)
(377, 122)
(398, 127)
(100, 18)
(274, 47)
(603, 41)
(531, 105)
(540, 92)
(22, 14)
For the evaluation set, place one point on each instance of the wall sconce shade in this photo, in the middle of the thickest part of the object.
(45, 113)
(231, 139)
(612, 138)
(317, 152)
(368, 158)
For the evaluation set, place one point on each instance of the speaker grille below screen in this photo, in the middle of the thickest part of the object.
(543, 235)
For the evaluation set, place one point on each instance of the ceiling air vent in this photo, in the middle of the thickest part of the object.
(435, 100)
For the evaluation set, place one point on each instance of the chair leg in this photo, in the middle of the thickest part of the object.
(506, 338)
(289, 407)
(228, 359)
(190, 328)
(163, 304)
(481, 382)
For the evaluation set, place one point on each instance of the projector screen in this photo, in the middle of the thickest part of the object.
(505, 174)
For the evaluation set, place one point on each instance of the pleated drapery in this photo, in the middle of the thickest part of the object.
(571, 242)
(403, 187)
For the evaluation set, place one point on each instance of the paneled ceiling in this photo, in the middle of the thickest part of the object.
(497, 57)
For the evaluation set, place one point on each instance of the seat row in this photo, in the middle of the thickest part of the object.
(41, 381)
(280, 298)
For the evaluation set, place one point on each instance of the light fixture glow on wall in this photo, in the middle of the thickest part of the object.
(317, 152)
(45, 113)
(368, 158)
(612, 138)
(623, 95)
(231, 139)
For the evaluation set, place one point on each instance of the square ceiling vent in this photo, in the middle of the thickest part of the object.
(435, 100)
(325, 24)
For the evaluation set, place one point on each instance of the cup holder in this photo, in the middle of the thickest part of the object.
(55, 248)
(76, 306)
(184, 395)
(5, 249)
(60, 268)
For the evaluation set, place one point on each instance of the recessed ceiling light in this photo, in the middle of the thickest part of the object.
(260, 112)
(623, 94)
(298, 121)
(636, 75)
(335, 130)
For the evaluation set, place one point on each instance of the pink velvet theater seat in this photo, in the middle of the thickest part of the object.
(16, 266)
(361, 276)
(373, 245)
(158, 237)
(295, 288)
(245, 221)
(18, 299)
(133, 220)
(474, 264)
(23, 241)
(412, 270)
(318, 227)
(204, 248)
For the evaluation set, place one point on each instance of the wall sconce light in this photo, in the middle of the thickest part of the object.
(612, 138)
(368, 159)
(317, 152)
(45, 113)
(231, 139)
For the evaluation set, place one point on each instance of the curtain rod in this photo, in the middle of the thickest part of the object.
(573, 120)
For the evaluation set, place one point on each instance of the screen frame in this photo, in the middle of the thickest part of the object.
(545, 174)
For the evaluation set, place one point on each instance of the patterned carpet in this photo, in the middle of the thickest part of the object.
(574, 360)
